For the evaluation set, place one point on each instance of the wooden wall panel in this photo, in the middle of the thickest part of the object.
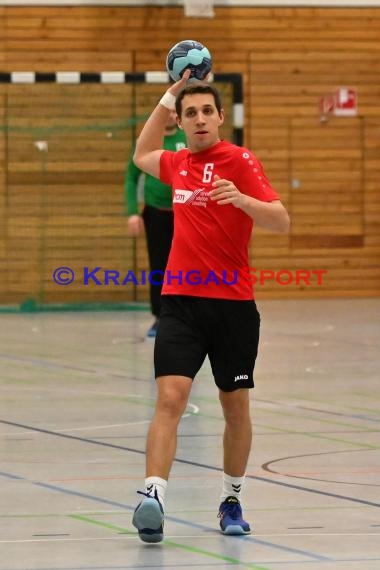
(66, 206)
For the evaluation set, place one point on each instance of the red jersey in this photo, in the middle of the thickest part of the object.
(210, 243)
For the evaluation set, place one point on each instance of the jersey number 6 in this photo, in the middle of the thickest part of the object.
(207, 172)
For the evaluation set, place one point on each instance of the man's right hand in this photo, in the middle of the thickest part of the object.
(135, 225)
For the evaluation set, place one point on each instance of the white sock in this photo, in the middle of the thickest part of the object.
(158, 484)
(232, 487)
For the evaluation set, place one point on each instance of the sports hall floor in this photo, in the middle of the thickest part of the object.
(77, 392)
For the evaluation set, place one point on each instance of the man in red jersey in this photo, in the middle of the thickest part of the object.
(219, 191)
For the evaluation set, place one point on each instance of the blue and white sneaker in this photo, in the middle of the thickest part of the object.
(148, 518)
(231, 517)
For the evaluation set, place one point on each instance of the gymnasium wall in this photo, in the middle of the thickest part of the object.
(327, 173)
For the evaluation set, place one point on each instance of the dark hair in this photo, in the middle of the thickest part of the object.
(198, 88)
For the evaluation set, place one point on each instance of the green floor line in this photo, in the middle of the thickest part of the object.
(309, 418)
(347, 406)
(192, 549)
(315, 435)
(109, 526)
(318, 435)
(32, 306)
(373, 396)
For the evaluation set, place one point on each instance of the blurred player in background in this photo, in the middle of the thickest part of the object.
(157, 215)
(219, 191)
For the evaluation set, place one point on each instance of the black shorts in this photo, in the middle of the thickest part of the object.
(192, 327)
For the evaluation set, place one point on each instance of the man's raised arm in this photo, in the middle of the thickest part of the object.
(149, 145)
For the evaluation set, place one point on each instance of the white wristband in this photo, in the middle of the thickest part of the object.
(168, 100)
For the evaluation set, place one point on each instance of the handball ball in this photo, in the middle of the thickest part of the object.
(189, 54)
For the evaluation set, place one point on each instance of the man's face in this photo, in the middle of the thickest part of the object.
(200, 120)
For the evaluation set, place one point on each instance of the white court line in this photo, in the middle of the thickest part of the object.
(101, 427)
(123, 537)
(193, 407)
(217, 535)
(195, 410)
